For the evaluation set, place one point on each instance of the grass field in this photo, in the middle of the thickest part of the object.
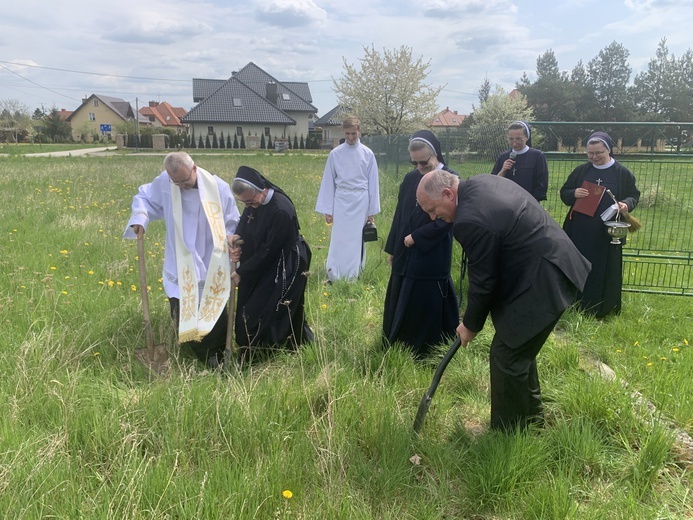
(86, 432)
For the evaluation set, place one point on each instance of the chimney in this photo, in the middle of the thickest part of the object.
(271, 92)
(153, 103)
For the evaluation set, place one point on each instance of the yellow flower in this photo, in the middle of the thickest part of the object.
(287, 494)
(635, 344)
(133, 287)
(67, 278)
(53, 268)
(64, 292)
(618, 351)
(96, 354)
(685, 341)
(675, 349)
(119, 283)
(111, 283)
(649, 364)
(63, 252)
(324, 306)
(324, 294)
(91, 272)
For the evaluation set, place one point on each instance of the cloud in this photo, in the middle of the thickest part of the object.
(158, 31)
(291, 13)
(462, 9)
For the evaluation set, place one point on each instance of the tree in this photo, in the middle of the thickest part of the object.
(484, 90)
(242, 142)
(15, 120)
(208, 144)
(302, 144)
(609, 74)
(682, 97)
(262, 141)
(295, 146)
(547, 95)
(200, 143)
(222, 143)
(235, 141)
(228, 142)
(388, 92)
(55, 127)
(491, 120)
(651, 90)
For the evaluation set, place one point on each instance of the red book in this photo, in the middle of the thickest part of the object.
(588, 205)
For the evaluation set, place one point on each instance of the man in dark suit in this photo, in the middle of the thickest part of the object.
(523, 270)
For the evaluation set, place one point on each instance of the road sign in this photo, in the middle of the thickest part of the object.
(105, 128)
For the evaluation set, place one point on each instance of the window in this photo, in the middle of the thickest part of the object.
(239, 130)
(286, 96)
(151, 118)
(210, 130)
(237, 102)
(92, 116)
(267, 131)
(96, 102)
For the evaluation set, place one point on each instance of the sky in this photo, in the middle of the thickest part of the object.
(54, 53)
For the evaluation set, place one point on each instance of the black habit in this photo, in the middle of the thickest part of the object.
(530, 171)
(273, 266)
(421, 309)
(602, 292)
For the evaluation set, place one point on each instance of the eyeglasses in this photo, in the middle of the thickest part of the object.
(595, 154)
(184, 182)
(421, 163)
(516, 139)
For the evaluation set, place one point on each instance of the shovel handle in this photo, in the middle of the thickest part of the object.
(232, 302)
(143, 290)
(425, 403)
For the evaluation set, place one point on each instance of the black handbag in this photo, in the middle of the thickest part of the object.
(370, 232)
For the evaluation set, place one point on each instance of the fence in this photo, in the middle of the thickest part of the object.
(659, 257)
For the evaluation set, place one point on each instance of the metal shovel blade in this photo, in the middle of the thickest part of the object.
(154, 357)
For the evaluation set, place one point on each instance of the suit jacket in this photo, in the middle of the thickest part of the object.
(523, 268)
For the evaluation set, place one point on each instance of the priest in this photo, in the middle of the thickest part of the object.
(199, 212)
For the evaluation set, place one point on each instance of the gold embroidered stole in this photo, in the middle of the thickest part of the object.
(198, 316)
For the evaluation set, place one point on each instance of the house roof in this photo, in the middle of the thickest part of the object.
(334, 117)
(203, 88)
(236, 102)
(163, 112)
(252, 88)
(121, 107)
(447, 118)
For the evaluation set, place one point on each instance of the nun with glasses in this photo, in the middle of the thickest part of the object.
(272, 274)
(420, 304)
(523, 164)
(602, 292)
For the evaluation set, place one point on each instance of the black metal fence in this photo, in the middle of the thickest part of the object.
(657, 258)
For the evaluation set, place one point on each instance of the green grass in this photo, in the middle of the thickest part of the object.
(86, 432)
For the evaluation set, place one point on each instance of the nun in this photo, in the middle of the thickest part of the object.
(273, 265)
(523, 164)
(420, 304)
(602, 292)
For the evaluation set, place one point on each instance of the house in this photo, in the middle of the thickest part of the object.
(64, 114)
(99, 116)
(251, 103)
(331, 125)
(163, 115)
(447, 119)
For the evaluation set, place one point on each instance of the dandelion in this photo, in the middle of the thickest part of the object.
(63, 252)
(645, 357)
(96, 354)
(133, 287)
(618, 351)
(53, 268)
(636, 344)
(100, 282)
(324, 294)
(119, 283)
(324, 306)
(111, 283)
(91, 272)
(685, 341)
(287, 494)
(86, 244)
(675, 349)
(67, 278)
(64, 292)
(649, 364)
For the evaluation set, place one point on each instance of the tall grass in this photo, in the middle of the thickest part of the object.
(86, 432)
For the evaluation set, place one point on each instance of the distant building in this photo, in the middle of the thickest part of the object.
(331, 126)
(251, 103)
(64, 114)
(447, 119)
(99, 116)
(162, 114)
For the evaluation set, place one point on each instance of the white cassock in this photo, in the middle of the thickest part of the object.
(349, 192)
(153, 202)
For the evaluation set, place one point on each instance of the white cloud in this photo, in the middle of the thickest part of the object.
(291, 13)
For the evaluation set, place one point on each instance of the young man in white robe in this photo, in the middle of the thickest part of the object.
(348, 197)
(199, 211)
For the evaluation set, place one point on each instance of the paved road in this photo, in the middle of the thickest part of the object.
(73, 153)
